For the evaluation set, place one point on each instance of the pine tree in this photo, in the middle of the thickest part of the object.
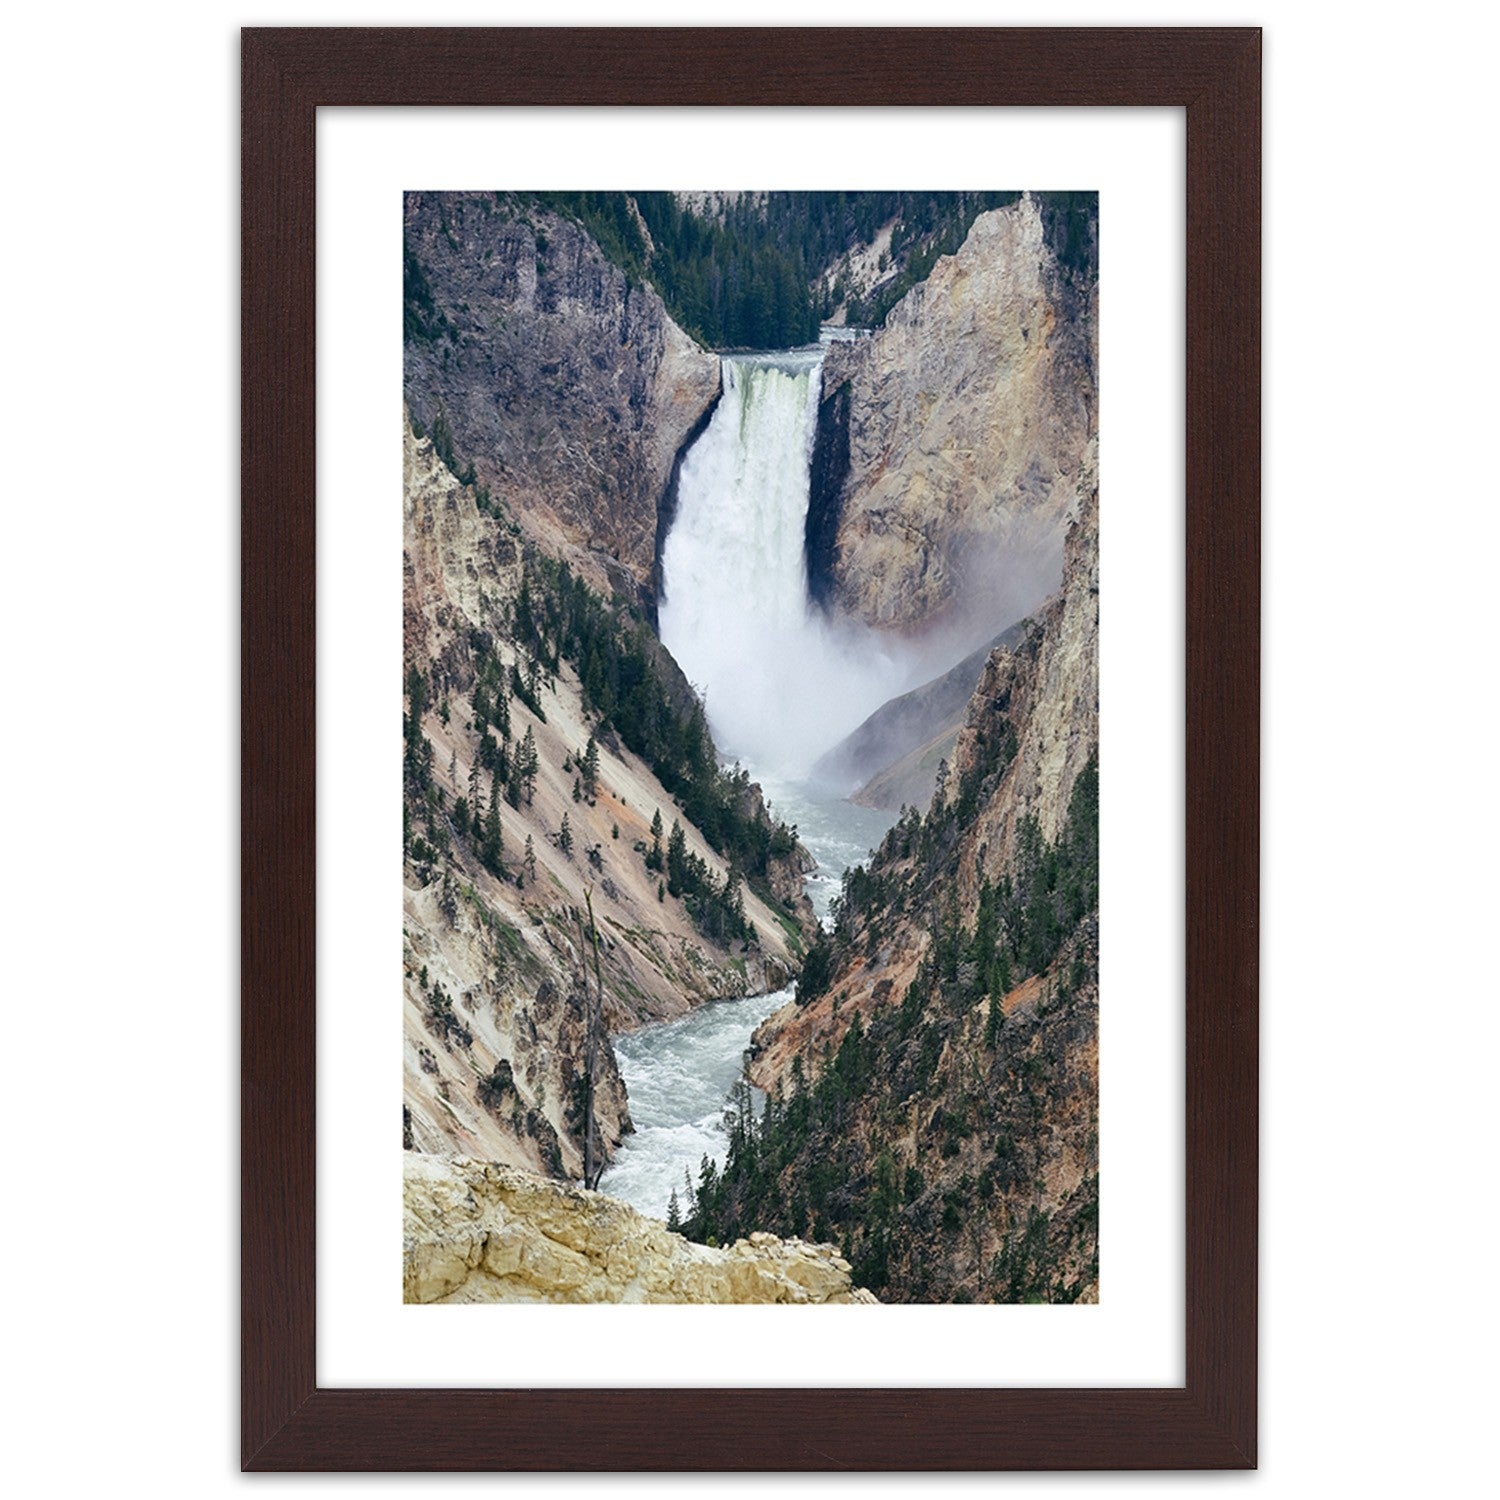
(565, 837)
(654, 859)
(492, 848)
(418, 746)
(476, 798)
(525, 621)
(500, 714)
(530, 859)
(528, 763)
(677, 859)
(591, 770)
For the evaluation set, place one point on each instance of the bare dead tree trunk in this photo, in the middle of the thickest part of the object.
(593, 1019)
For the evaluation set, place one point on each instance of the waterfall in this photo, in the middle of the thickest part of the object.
(780, 683)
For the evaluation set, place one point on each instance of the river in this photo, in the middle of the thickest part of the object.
(781, 685)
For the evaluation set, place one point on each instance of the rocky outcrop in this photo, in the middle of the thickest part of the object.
(951, 442)
(479, 1232)
(569, 390)
(1048, 685)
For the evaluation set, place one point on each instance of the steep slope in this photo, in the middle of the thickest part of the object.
(950, 442)
(568, 389)
(935, 1086)
(523, 845)
(911, 780)
(904, 733)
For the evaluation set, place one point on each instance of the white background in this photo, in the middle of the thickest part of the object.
(1136, 160)
(120, 608)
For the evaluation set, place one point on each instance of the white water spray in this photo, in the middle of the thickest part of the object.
(780, 683)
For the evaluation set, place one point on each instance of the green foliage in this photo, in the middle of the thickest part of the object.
(994, 1018)
(442, 1020)
(528, 764)
(1022, 1271)
(931, 225)
(751, 274)
(744, 281)
(527, 689)
(492, 847)
(557, 617)
(417, 758)
(679, 871)
(717, 908)
(1070, 222)
(609, 222)
(825, 1159)
(590, 769)
(423, 321)
(817, 970)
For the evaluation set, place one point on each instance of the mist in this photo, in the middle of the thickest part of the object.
(781, 682)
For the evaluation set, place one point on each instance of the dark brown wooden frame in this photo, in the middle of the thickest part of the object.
(288, 1422)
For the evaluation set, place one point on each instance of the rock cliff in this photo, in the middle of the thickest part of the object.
(479, 1232)
(498, 955)
(570, 390)
(949, 447)
(1046, 689)
(935, 1093)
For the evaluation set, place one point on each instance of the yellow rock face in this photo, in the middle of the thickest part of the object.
(481, 1232)
(971, 413)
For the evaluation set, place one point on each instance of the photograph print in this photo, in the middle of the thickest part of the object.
(750, 755)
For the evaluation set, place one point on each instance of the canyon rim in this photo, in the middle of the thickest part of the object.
(749, 759)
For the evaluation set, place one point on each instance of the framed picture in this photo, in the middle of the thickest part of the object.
(530, 780)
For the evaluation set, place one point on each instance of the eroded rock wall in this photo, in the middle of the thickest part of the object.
(951, 442)
(569, 389)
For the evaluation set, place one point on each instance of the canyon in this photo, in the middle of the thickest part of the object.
(916, 505)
